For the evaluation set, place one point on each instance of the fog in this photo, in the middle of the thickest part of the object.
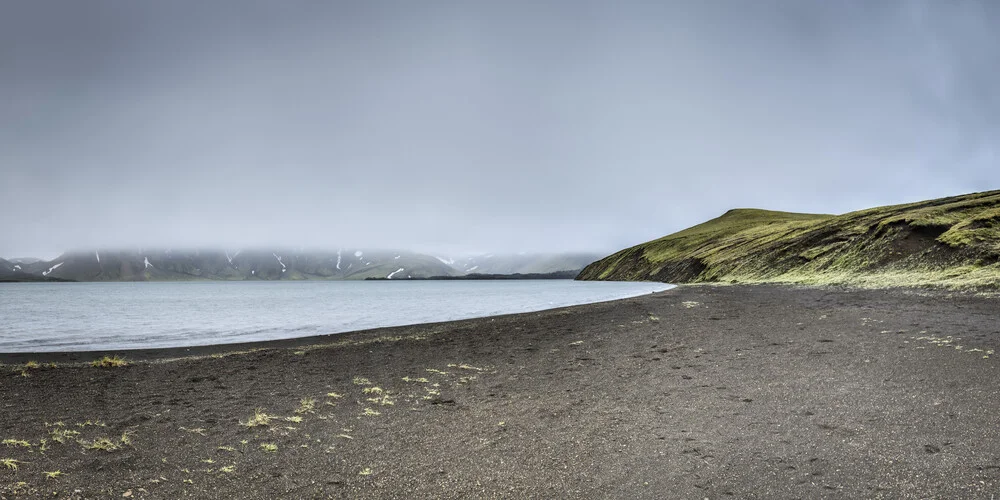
(475, 126)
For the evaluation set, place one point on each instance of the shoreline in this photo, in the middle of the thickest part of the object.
(704, 391)
(181, 352)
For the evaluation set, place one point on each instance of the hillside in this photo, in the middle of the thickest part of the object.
(953, 242)
(526, 263)
(12, 271)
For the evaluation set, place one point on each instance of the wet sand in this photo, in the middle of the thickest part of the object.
(707, 392)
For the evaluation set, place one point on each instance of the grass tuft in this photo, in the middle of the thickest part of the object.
(259, 419)
(306, 405)
(102, 444)
(109, 362)
(60, 434)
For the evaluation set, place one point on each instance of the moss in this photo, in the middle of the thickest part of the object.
(952, 242)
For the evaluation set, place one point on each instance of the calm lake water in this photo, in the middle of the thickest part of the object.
(105, 316)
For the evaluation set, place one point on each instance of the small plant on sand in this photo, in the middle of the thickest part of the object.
(97, 423)
(361, 381)
(372, 390)
(421, 380)
(16, 442)
(10, 463)
(103, 444)
(465, 367)
(269, 447)
(126, 438)
(371, 413)
(61, 435)
(294, 419)
(228, 469)
(365, 472)
(109, 362)
(258, 419)
(53, 475)
(32, 365)
(384, 400)
(334, 395)
(306, 405)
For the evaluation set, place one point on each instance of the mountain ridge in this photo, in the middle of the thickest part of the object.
(950, 242)
(274, 264)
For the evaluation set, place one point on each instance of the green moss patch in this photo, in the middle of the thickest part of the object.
(952, 242)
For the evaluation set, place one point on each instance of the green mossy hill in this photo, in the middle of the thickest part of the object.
(952, 242)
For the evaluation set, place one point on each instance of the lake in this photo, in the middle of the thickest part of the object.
(36, 317)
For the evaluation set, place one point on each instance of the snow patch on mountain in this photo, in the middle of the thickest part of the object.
(53, 268)
(283, 269)
(389, 277)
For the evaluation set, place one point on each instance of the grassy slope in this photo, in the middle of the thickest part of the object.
(951, 242)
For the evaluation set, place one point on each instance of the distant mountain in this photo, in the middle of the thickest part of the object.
(9, 269)
(343, 264)
(13, 271)
(521, 263)
(23, 260)
(178, 265)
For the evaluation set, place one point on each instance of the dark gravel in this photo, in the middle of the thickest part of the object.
(699, 392)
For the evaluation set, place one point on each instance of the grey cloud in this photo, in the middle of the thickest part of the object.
(474, 126)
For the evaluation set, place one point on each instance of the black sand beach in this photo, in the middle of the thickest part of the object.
(698, 392)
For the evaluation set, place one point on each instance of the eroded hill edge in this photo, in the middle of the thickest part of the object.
(951, 242)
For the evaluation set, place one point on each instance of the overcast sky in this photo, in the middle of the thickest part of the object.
(478, 126)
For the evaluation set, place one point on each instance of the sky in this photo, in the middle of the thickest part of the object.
(466, 126)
